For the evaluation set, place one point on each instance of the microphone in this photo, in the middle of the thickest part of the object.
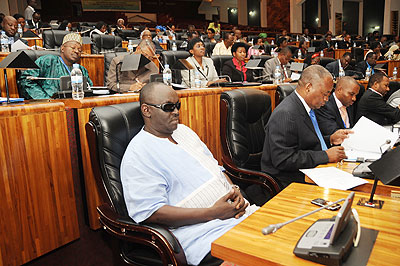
(117, 76)
(148, 43)
(272, 228)
(40, 78)
(387, 142)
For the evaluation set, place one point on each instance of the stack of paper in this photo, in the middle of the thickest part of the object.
(368, 141)
(331, 177)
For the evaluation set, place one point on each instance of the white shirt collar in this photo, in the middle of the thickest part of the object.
(32, 8)
(308, 109)
(338, 102)
(340, 64)
(375, 91)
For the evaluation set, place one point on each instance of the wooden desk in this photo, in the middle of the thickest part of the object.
(34, 41)
(381, 189)
(38, 210)
(340, 52)
(12, 80)
(391, 65)
(246, 245)
(200, 111)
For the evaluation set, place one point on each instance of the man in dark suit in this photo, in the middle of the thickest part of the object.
(345, 43)
(373, 106)
(338, 112)
(335, 66)
(293, 139)
(327, 43)
(35, 23)
(369, 62)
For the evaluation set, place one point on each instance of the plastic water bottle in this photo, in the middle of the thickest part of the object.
(20, 32)
(167, 75)
(341, 72)
(66, 28)
(277, 76)
(354, 45)
(77, 83)
(297, 38)
(336, 46)
(299, 54)
(4, 43)
(367, 73)
(174, 48)
(321, 54)
(395, 73)
(272, 42)
(315, 37)
(130, 46)
(197, 80)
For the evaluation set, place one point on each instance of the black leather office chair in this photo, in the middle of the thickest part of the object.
(209, 48)
(124, 34)
(108, 57)
(357, 53)
(326, 60)
(283, 91)
(109, 131)
(219, 61)
(52, 39)
(243, 118)
(316, 44)
(170, 58)
(105, 43)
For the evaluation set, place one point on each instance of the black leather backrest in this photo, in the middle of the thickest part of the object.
(248, 114)
(178, 35)
(53, 38)
(170, 58)
(315, 43)
(357, 53)
(219, 61)
(115, 126)
(293, 49)
(209, 48)
(129, 33)
(326, 60)
(284, 90)
(105, 43)
(35, 54)
(108, 57)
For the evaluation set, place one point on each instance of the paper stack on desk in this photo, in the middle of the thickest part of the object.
(369, 140)
(331, 177)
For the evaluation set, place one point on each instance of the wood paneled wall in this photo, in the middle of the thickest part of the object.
(278, 14)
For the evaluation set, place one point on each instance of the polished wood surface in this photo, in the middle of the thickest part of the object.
(340, 52)
(245, 245)
(391, 64)
(94, 64)
(200, 111)
(381, 189)
(12, 80)
(38, 210)
(34, 42)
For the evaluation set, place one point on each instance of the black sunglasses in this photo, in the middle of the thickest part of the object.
(167, 107)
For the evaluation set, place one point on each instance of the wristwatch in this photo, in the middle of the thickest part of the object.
(236, 186)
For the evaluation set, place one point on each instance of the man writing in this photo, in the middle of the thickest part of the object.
(293, 139)
(342, 63)
(170, 177)
(53, 66)
(135, 79)
(282, 61)
(338, 112)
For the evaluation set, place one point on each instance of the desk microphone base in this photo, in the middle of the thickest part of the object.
(376, 204)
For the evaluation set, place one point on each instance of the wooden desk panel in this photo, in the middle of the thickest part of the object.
(245, 245)
(200, 111)
(12, 80)
(34, 41)
(38, 211)
(95, 66)
(340, 52)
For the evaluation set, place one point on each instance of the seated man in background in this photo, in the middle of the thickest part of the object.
(146, 35)
(10, 26)
(339, 112)
(369, 62)
(210, 36)
(224, 47)
(293, 139)
(132, 80)
(35, 23)
(170, 177)
(282, 61)
(327, 43)
(335, 66)
(372, 105)
(53, 66)
(345, 43)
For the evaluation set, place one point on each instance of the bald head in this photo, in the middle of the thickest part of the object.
(9, 25)
(159, 104)
(346, 90)
(315, 86)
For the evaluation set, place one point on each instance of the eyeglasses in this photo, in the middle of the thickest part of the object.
(167, 107)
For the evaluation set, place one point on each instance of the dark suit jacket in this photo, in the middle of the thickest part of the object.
(361, 67)
(291, 143)
(333, 67)
(236, 75)
(374, 107)
(329, 118)
(327, 45)
(31, 26)
(345, 45)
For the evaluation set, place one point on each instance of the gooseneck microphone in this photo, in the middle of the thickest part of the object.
(272, 228)
(387, 142)
(148, 43)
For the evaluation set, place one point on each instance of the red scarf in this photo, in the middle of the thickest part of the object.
(240, 66)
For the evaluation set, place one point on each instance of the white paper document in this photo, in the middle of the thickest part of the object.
(331, 177)
(369, 140)
(295, 76)
(18, 45)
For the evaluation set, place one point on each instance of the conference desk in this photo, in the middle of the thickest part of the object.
(381, 189)
(38, 211)
(245, 245)
(200, 111)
